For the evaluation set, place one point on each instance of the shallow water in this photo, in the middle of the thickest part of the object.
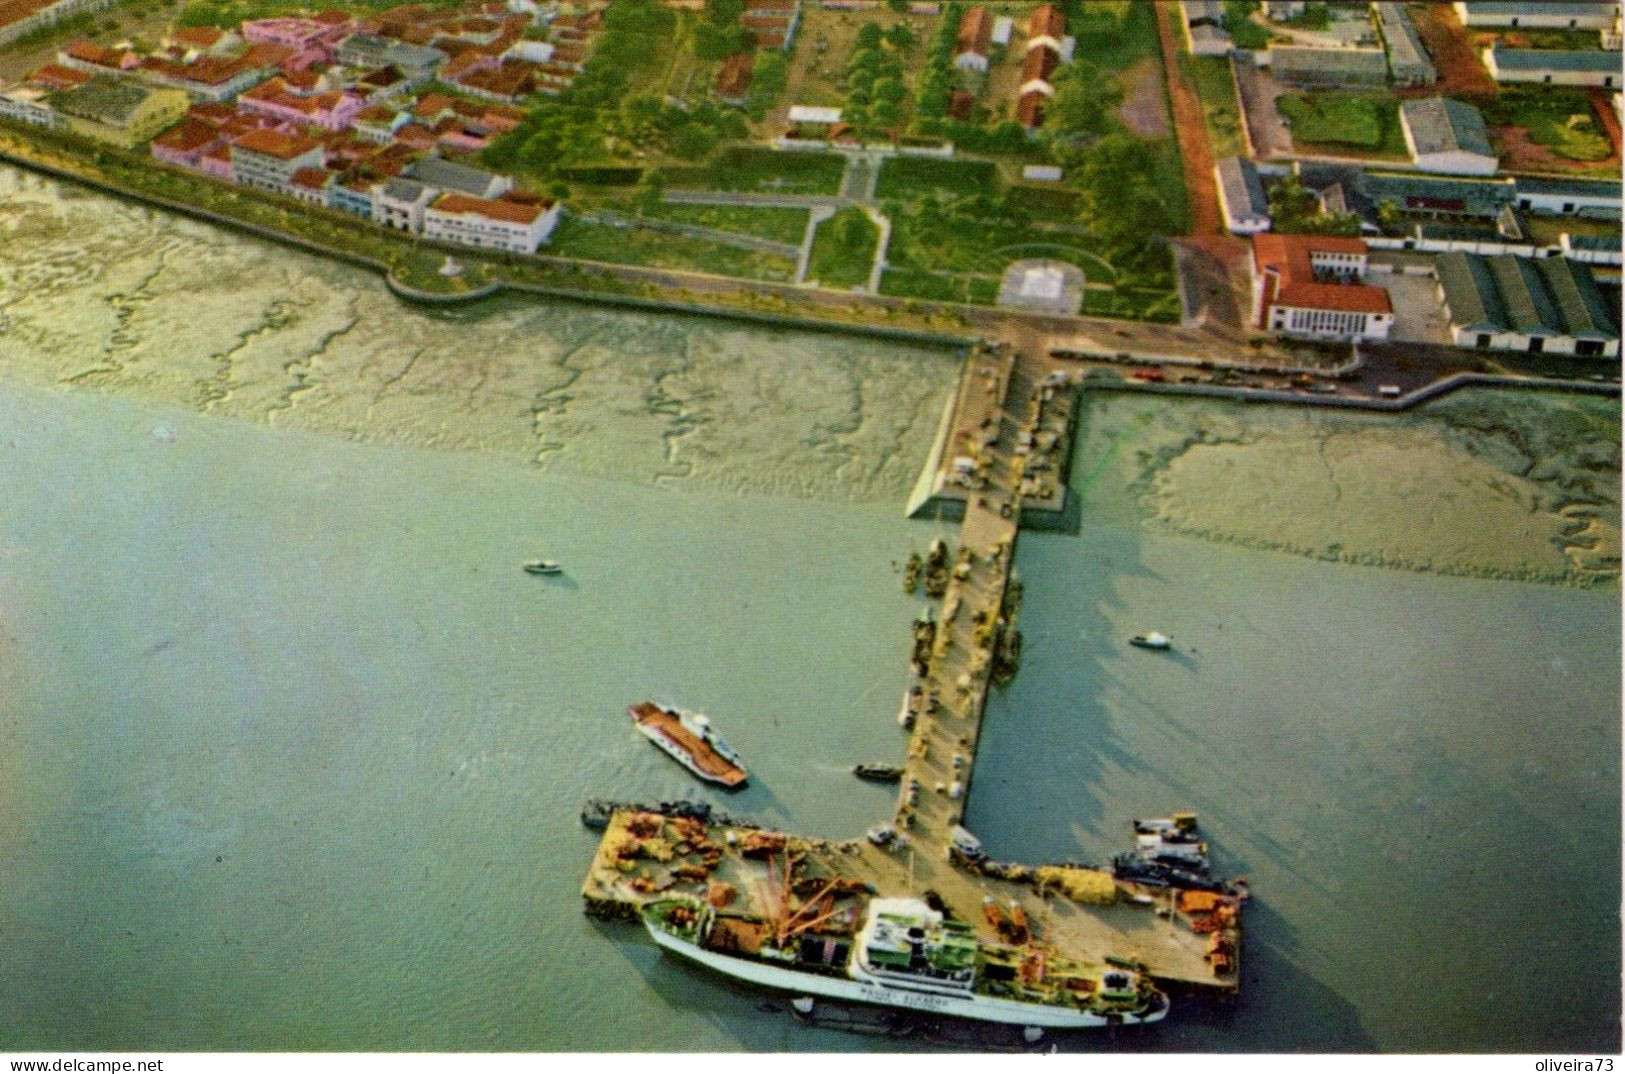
(291, 752)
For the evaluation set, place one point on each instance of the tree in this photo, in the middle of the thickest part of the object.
(887, 115)
(889, 89)
(899, 7)
(714, 43)
(769, 71)
(724, 12)
(901, 38)
(694, 141)
(869, 36)
(1084, 98)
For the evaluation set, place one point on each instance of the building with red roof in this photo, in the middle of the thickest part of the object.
(512, 222)
(1310, 285)
(268, 159)
(975, 38)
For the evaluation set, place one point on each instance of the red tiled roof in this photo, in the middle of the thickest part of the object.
(1030, 108)
(1046, 21)
(1288, 258)
(55, 76)
(734, 77)
(1040, 64)
(215, 112)
(310, 178)
(191, 135)
(198, 36)
(276, 144)
(512, 212)
(975, 32)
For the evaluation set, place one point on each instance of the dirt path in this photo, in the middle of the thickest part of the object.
(1143, 110)
(1460, 72)
(1206, 219)
(1602, 103)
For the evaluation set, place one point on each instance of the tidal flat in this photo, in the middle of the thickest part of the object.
(291, 751)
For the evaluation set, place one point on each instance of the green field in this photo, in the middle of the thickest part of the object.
(940, 286)
(843, 250)
(1559, 119)
(1050, 203)
(1340, 121)
(780, 225)
(636, 246)
(1221, 111)
(745, 168)
(905, 177)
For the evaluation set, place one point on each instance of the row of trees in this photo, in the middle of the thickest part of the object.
(936, 83)
(874, 77)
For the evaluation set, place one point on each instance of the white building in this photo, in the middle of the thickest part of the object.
(1553, 67)
(491, 224)
(19, 19)
(1548, 305)
(1241, 196)
(1309, 285)
(401, 203)
(1447, 137)
(28, 104)
(1539, 15)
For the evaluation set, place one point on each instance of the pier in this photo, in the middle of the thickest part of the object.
(1002, 451)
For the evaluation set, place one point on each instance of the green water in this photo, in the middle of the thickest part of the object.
(291, 752)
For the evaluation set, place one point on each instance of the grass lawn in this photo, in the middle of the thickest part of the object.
(904, 177)
(843, 250)
(634, 246)
(1221, 112)
(1050, 203)
(746, 168)
(1340, 121)
(780, 225)
(940, 286)
(1560, 119)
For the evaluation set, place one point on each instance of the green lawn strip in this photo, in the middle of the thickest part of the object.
(843, 249)
(1341, 121)
(780, 225)
(746, 168)
(1221, 113)
(904, 177)
(1168, 176)
(633, 246)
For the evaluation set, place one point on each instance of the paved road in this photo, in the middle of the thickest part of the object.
(1197, 155)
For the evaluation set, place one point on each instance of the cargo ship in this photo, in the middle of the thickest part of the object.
(906, 955)
(688, 738)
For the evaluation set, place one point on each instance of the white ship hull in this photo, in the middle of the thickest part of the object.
(980, 1008)
(676, 753)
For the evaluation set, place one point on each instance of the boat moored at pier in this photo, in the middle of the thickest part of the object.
(905, 955)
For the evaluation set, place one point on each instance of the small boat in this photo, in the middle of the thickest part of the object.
(544, 566)
(880, 773)
(1153, 640)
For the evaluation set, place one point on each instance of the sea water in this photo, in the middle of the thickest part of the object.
(291, 751)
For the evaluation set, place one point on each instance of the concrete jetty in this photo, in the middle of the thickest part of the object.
(1011, 416)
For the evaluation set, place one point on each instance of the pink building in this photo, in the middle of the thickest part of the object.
(185, 144)
(217, 163)
(333, 111)
(297, 34)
